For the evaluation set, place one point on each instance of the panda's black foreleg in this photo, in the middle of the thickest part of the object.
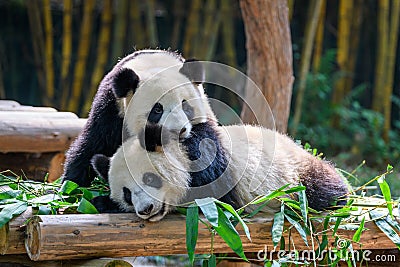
(102, 134)
(104, 204)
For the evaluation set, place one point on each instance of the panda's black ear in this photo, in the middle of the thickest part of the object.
(101, 164)
(124, 81)
(194, 70)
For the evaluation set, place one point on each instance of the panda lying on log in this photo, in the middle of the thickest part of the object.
(143, 76)
(239, 161)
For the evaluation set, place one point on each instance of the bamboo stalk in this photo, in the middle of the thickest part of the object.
(48, 26)
(210, 31)
(102, 54)
(83, 51)
(355, 32)
(191, 29)
(228, 34)
(290, 4)
(119, 29)
(136, 25)
(151, 22)
(36, 29)
(315, 10)
(319, 38)
(380, 68)
(50, 237)
(343, 43)
(390, 70)
(178, 11)
(66, 52)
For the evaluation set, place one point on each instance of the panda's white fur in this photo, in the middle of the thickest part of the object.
(130, 165)
(260, 161)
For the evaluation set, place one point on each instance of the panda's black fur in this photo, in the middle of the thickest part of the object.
(216, 168)
(102, 133)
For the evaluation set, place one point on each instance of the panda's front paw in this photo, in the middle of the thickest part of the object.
(104, 204)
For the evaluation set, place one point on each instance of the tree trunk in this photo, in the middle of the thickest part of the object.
(269, 62)
(48, 27)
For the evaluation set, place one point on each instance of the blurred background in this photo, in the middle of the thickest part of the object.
(55, 53)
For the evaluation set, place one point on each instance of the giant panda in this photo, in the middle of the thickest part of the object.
(258, 161)
(143, 76)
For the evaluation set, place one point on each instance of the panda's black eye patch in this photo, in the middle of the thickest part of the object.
(188, 109)
(151, 179)
(127, 195)
(156, 113)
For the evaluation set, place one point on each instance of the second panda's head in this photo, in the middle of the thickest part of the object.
(159, 87)
(148, 183)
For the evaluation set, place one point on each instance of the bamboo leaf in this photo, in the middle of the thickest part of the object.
(303, 205)
(385, 189)
(393, 223)
(295, 189)
(337, 223)
(276, 193)
(192, 230)
(11, 210)
(68, 186)
(357, 234)
(229, 234)
(86, 207)
(209, 209)
(385, 227)
(299, 228)
(236, 215)
(277, 227)
(212, 261)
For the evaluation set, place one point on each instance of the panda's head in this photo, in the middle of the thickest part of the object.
(160, 87)
(148, 183)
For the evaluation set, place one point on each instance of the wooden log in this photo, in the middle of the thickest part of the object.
(118, 235)
(24, 261)
(12, 235)
(38, 133)
(34, 166)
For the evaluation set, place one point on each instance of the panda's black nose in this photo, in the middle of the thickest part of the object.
(146, 211)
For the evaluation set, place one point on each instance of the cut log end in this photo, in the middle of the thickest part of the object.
(33, 238)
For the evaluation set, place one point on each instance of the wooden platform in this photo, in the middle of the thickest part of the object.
(33, 139)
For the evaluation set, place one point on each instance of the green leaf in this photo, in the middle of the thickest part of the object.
(209, 209)
(277, 227)
(385, 189)
(337, 223)
(9, 194)
(295, 189)
(212, 261)
(45, 199)
(86, 193)
(274, 194)
(229, 234)
(86, 207)
(385, 227)
(299, 228)
(357, 234)
(192, 230)
(11, 210)
(236, 215)
(393, 223)
(303, 205)
(68, 186)
(44, 210)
